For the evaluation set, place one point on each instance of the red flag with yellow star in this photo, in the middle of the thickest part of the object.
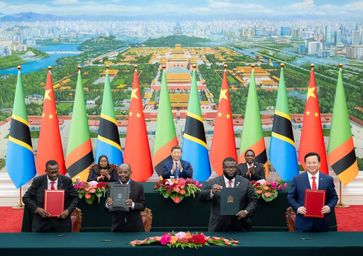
(137, 150)
(223, 143)
(49, 143)
(312, 138)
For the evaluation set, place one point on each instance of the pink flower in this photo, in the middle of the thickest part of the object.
(92, 191)
(285, 185)
(165, 239)
(176, 199)
(279, 187)
(267, 194)
(87, 196)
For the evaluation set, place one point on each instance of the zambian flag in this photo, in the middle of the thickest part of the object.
(19, 152)
(79, 151)
(282, 145)
(165, 136)
(108, 140)
(252, 135)
(341, 154)
(194, 143)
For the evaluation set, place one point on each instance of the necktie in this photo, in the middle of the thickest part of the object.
(52, 187)
(176, 174)
(313, 183)
(229, 183)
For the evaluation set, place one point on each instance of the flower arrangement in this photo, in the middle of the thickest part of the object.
(185, 240)
(268, 190)
(91, 190)
(177, 189)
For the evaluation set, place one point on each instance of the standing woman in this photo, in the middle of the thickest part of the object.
(103, 171)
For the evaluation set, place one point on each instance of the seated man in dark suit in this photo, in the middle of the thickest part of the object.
(312, 179)
(128, 221)
(247, 205)
(176, 167)
(251, 169)
(34, 200)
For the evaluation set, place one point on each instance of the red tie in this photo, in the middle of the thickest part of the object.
(313, 184)
(229, 183)
(52, 185)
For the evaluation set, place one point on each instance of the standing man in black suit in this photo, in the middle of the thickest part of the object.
(251, 169)
(177, 167)
(130, 221)
(247, 205)
(34, 200)
(312, 179)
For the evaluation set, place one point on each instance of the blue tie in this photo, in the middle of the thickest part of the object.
(176, 174)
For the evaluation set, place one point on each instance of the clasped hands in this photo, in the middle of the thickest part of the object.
(180, 168)
(44, 214)
(250, 171)
(128, 202)
(104, 173)
(302, 210)
(216, 188)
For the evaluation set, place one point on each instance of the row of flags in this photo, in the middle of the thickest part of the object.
(79, 157)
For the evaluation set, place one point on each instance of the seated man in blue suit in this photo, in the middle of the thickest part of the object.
(251, 169)
(312, 179)
(176, 167)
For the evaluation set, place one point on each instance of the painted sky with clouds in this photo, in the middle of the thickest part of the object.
(329, 9)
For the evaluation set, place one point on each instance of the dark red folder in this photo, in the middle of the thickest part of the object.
(54, 202)
(314, 202)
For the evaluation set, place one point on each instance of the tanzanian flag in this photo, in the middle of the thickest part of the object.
(252, 135)
(108, 140)
(282, 146)
(341, 154)
(79, 151)
(194, 143)
(19, 153)
(165, 136)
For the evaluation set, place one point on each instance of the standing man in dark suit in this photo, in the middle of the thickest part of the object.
(34, 200)
(176, 167)
(211, 192)
(130, 221)
(312, 179)
(251, 169)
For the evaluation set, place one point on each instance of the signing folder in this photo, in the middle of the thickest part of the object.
(314, 202)
(54, 202)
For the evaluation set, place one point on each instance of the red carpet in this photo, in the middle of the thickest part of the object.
(11, 219)
(348, 219)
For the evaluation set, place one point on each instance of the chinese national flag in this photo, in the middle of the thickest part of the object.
(223, 143)
(312, 138)
(49, 143)
(137, 151)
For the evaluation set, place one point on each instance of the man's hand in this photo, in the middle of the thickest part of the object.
(301, 210)
(64, 214)
(109, 201)
(180, 168)
(173, 168)
(250, 170)
(101, 177)
(129, 202)
(216, 188)
(325, 209)
(242, 214)
(43, 213)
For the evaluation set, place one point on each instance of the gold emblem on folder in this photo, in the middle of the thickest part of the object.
(230, 199)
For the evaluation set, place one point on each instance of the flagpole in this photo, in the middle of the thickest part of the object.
(20, 205)
(340, 204)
